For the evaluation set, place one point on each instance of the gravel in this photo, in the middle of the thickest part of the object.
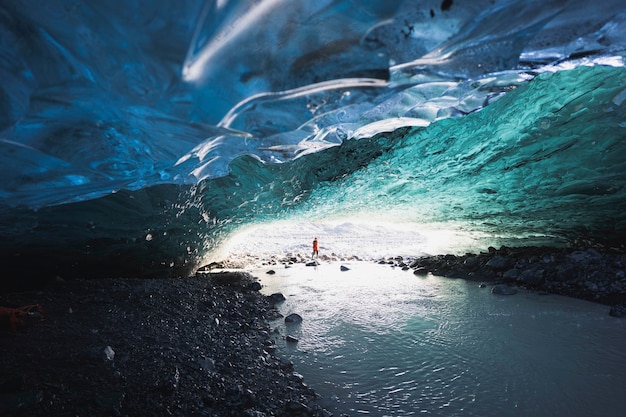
(197, 346)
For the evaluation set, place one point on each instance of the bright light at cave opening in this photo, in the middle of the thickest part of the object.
(347, 239)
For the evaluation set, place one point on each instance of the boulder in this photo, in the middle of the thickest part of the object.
(471, 262)
(498, 263)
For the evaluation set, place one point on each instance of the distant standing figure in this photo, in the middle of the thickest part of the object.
(316, 249)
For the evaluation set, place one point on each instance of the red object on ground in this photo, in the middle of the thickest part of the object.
(15, 317)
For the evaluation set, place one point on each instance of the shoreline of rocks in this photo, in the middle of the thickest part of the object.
(585, 273)
(198, 346)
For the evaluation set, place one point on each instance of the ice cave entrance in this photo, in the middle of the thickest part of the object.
(348, 238)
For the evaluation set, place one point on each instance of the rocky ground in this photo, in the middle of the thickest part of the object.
(593, 274)
(200, 346)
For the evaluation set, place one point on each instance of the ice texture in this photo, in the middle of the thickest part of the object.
(136, 136)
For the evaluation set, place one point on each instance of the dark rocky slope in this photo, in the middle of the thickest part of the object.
(152, 347)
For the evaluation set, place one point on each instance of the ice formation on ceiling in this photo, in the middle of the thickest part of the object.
(136, 134)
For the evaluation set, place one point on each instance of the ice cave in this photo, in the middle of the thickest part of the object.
(136, 137)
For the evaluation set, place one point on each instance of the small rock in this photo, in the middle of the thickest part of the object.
(293, 318)
(270, 348)
(108, 354)
(421, 271)
(502, 289)
(291, 339)
(271, 272)
(276, 298)
(207, 364)
(344, 268)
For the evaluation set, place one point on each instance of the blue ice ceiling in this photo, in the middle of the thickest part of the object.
(136, 135)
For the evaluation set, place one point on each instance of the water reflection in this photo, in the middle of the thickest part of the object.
(384, 342)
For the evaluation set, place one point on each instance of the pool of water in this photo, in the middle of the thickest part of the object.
(379, 341)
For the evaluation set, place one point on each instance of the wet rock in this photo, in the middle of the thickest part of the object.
(511, 274)
(498, 263)
(471, 263)
(270, 347)
(291, 339)
(271, 272)
(293, 318)
(421, 271)
(502, 289)
(344, 268)
(276, 298)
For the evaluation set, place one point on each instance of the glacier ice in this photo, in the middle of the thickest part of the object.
(123, 120)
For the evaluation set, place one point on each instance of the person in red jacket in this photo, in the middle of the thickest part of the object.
(316, 249)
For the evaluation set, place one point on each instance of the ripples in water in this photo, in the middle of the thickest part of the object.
(383, 342)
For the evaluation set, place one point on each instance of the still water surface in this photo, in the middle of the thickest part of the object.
(378, 341)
